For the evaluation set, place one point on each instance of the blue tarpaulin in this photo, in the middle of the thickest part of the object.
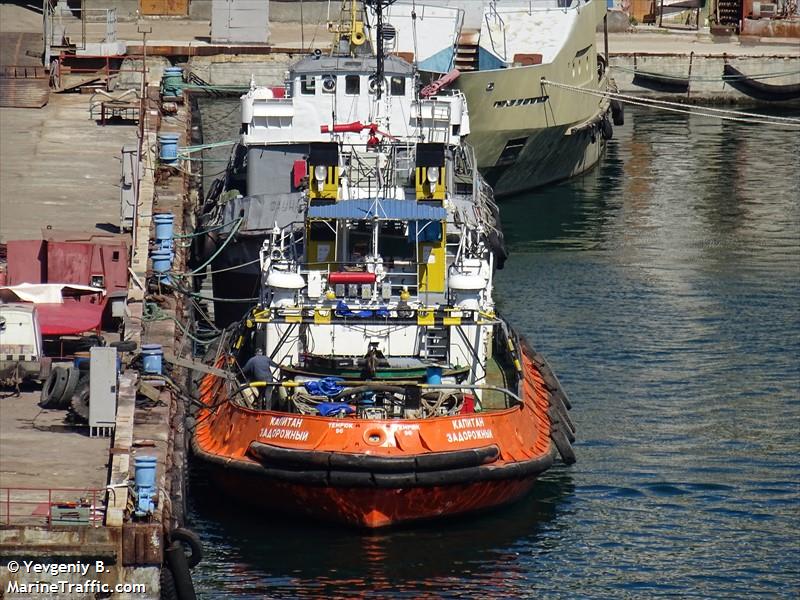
(327, 386)
(383, 208)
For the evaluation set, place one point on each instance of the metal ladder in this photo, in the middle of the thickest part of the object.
(436, 343)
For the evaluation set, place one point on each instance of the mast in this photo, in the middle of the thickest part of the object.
(378, 6)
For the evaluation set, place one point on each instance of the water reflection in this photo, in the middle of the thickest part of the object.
(288, 557)
(665, 289)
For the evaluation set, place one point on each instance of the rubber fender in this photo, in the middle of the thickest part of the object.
(395, 480)
(73, 378)
(191, 539)
(124, 345)
(274, 456)
(305, 477)
(166, 583)
(563, 446)
(606, 129)
(53, 388)
(351, 479)
(618, 113)
(376, 464)
(179, 566)
(558, 425)
(562, 396)
(458, 459)
(550, 381)
(563, 415)
(538, 359)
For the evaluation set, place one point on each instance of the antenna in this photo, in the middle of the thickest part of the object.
(378, 6)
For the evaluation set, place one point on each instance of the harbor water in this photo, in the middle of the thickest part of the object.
(664, 287)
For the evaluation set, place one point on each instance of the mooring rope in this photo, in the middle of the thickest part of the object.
(703, 111)
(723, 78)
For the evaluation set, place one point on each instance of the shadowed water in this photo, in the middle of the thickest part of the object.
(664, 287)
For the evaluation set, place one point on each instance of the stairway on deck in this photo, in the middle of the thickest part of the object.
(467, 51)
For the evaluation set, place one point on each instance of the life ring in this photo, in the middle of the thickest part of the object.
(358, 38)
(191, 539)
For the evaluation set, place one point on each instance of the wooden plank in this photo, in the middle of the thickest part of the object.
(198, 366)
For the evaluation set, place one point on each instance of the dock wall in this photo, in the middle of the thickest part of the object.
(706, 84)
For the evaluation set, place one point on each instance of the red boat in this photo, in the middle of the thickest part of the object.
(374, 473)
(373, 383)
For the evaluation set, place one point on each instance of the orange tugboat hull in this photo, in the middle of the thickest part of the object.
(376, 473)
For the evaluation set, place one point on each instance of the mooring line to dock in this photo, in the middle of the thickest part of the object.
(717, 113)
(723, 78)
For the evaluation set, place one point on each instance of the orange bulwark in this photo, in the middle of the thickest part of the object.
(375, 473)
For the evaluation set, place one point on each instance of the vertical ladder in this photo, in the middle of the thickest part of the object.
(436, 343)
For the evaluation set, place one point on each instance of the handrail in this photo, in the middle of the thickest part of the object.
(94, 498)
(398, 383)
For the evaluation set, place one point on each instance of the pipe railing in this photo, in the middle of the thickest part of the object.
(34, 506)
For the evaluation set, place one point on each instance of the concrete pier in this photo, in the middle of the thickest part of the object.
(61, 169)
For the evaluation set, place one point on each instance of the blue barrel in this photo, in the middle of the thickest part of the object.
(162, 260)
(168, 143)
(163, 222)
(144, 471)
(151, 358)
(172, 82)
(434, 375)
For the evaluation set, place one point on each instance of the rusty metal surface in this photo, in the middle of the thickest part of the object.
(24, 86)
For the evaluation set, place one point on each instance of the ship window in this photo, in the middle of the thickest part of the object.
(393, 242)
(352, 85)
(328, 84)
(398, 86)
(308, 84)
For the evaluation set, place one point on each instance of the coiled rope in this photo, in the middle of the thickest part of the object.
(717, 113)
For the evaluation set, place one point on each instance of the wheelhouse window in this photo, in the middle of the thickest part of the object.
(328, 84)
(308, 85)
(397, 86)
(352, 85)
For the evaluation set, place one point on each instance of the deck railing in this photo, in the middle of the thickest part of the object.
(52, 507)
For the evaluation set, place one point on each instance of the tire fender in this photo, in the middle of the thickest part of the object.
(191, 539)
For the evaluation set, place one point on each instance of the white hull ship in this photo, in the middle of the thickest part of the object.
(525, 132)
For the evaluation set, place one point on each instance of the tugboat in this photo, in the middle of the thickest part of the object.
(374, 382)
